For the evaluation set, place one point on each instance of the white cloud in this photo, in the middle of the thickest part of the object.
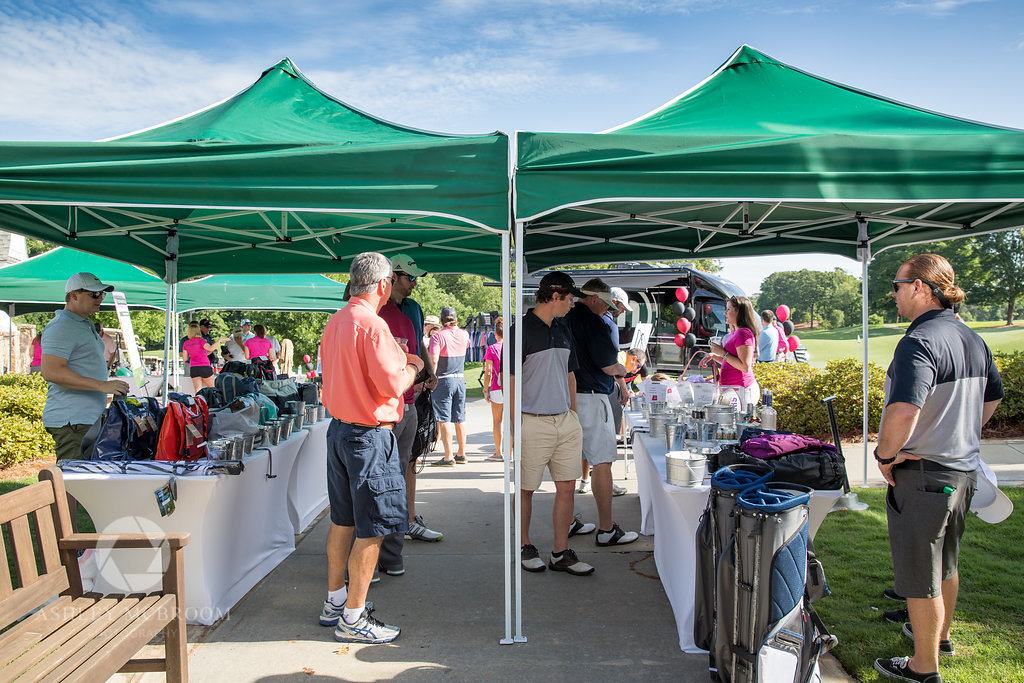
(934, 7)
(87, 75)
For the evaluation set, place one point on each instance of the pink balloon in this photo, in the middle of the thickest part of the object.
(793, 342)
(305, 358)
(782, 313)
(683, 325)
(682, 294)
(680, 340)
(311, 374)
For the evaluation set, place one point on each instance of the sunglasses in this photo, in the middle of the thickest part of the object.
(412, 278)
(94, 295)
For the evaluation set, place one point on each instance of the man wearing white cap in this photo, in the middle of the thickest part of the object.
(74, 368)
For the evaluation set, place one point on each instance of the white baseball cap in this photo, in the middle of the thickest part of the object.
(619, 294)
(989, 503)
(403, 263)
(86, 281)
(603, 296)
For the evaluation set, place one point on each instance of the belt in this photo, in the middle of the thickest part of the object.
(591, 391)
(926, 465)
(454, 374)
(382, 425)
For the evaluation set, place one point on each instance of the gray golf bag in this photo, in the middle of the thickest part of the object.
(766, 576)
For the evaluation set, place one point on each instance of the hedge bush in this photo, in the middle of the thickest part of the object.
(22, 436)
(798, 389)
(1011, 369)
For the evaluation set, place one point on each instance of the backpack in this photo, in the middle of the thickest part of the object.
(185, 428)
(817, 467)
(232, 385)
(309, 393)
(239, 367)
(128, 430)
(280, 391)
(262, 369)
(426, 426)
(214, 397)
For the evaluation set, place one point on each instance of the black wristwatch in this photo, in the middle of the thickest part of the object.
(884, 461)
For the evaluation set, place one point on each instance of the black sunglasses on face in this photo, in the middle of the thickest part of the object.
(412, 278)
(936, 290)
(896, 284)
(94, 295)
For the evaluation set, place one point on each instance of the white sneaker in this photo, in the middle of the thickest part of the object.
(580, 527)
(618, 490)
(584, 486)
(418, 531)
(615, 537)
(367, 629)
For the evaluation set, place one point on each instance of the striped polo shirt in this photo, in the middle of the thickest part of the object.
(548, 358)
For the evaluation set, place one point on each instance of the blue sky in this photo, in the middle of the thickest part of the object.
(89, 70)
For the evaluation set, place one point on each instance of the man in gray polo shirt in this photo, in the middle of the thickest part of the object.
(551, 433)
(74, 368)
(940, 388)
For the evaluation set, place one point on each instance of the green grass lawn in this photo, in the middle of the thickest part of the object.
(84, 525)
(825, 345)
(988, 628)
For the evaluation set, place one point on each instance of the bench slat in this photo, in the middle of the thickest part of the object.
(20, 502)
(77, 662)
(24, 553)
(30, 630)
(104, 655)
(27, 598)
(6, 587)
(47, 540)
(62, 644)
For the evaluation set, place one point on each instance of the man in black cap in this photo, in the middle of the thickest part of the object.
(551, 434)
(204, 332)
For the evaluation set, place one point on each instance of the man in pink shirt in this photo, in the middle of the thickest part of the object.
(365, 374)
(447, 351)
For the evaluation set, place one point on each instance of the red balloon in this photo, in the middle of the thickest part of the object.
(680, 340)
(707, 308)
(682, 294)
(782, 313)
(793, 342)
(305, 359)
(311, 374)
(683, 325)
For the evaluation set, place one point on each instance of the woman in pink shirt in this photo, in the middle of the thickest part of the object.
(37, 354)
(259, 347)
(196, 351)
(492, 387)
(739, 349)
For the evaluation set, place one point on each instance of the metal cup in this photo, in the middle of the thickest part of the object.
(636, 403)
(709, 430)
(675, 435)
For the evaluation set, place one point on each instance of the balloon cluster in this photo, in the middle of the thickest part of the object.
(782, 313)
(686, 316)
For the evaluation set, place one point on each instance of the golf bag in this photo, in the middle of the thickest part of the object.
(766, 576)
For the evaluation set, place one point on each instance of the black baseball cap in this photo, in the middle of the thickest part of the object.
(558, 282)
(205, 322)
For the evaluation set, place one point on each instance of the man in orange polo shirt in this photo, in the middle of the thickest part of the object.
(365, 373)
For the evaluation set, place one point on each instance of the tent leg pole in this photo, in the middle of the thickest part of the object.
(517, 420)
(10, 337)
(171, 278)
(865, 257)
(167, 343)
(506, 422)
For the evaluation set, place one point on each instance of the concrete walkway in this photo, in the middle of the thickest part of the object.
(613, 625)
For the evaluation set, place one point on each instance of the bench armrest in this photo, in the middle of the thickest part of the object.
(174, 540)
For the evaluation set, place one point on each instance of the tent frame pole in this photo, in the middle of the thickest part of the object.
(506, 422)
(171, 278)
(517, 432)
(865, 258)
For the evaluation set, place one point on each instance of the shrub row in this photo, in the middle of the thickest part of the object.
(1011, 369)
(798, 389)
(22, 436)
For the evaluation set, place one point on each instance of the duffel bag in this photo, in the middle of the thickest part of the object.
(280, 391)
(232, 385)
(309, 393)
(241, 416)
(214, 397)
(822, 468)
(239, 367)
(128, 430)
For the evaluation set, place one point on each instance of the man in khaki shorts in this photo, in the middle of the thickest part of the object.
(551, 431)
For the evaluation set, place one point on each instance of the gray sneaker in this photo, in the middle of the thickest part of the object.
(367, 629)
(615, 536)
(529, 557)
(330, 614)
(618, 490)
(418, 531)
(578, 526)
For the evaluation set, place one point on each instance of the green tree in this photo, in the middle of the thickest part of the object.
(1000, 272)
(812, 295)
(961, 254)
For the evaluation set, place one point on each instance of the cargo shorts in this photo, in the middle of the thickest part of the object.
(365, 480)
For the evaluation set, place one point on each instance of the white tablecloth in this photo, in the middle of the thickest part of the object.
(672, 514)
(240, 528)
(307, 490)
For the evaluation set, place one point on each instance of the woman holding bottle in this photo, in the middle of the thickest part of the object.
(738, 350)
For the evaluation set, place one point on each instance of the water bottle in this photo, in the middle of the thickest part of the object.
(769, 416)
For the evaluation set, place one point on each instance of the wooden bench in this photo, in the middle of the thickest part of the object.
(53, 631)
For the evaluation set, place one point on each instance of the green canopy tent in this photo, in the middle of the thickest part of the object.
(280, 178)
(262, 292)
(762, 158)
